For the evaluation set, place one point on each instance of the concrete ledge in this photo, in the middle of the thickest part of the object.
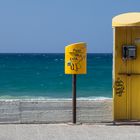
(46, 111)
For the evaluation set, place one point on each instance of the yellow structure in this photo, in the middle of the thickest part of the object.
(75, 58)
(126, 66)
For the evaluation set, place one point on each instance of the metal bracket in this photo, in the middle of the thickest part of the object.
(128, 74)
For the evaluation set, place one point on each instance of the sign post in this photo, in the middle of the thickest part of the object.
(75, 63)
(74, 97)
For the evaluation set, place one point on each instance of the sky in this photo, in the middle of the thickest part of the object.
(47, 26)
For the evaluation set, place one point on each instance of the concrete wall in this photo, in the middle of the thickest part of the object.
(33, 111)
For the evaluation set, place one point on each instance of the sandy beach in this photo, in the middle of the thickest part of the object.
(54, 111)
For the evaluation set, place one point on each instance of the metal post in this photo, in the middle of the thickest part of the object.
(74, 97)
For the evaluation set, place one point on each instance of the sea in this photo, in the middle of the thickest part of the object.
(41, 76)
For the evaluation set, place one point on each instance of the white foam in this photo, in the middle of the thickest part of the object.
(41, 98)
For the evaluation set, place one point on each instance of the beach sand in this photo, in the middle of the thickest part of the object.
(54, 111)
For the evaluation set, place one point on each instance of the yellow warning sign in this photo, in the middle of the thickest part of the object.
(75, 58)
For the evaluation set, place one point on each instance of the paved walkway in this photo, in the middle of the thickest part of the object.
(68, 132)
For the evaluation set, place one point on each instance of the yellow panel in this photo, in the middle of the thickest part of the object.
(119, 81)
(75, 58)
(135, 79)
(128, 70)
(127, 19)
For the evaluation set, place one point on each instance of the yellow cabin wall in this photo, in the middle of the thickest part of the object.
(127, 106)
(135, 80)
(120, 103)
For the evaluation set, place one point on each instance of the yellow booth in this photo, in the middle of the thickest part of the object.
(126, 66)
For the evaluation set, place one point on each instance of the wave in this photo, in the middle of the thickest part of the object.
(91, 98)
(94, 98)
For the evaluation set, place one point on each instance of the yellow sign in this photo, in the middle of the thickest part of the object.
(75, 58)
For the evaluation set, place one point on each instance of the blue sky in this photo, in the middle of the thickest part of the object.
(36, 26)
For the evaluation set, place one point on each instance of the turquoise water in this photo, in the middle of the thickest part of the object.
(42, 76)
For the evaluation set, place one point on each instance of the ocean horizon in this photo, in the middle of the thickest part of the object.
(41, 76)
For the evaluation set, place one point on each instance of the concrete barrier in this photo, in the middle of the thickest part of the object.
(46, 111)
